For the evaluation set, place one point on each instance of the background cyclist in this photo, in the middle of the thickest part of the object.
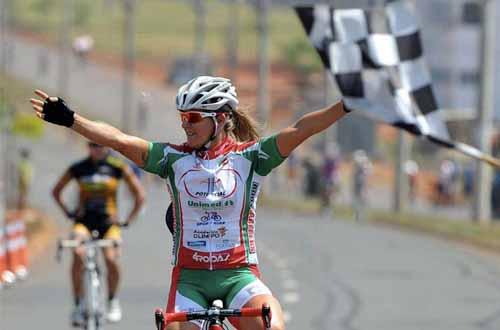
(98, 176)
(219, 169)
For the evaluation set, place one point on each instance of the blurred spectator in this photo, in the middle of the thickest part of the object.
(411, 169)
(292, 170)
(24, 178)
(361, 171)
(468, 181)
(448, 172)
(495, 196)
(329, 175)
(311, 178)
(82, 45)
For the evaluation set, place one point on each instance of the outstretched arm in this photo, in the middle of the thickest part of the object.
(309, 124)
(52, 110)
(132, 147)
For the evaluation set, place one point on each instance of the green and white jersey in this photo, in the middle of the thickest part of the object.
(214, 197)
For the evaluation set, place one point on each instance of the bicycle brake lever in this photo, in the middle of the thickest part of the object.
(159, 319)
(59, 251)
(266, 316)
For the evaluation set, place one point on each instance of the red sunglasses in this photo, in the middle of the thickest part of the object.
(193, 117)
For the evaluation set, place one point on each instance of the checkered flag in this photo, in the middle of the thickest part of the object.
(376, 59)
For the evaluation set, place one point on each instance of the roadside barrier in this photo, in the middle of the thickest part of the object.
(16, 247)
(6, 276)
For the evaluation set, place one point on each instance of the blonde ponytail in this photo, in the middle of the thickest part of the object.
(242, 127)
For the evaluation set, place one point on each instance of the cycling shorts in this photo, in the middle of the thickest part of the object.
(106, 231)
(196, 289)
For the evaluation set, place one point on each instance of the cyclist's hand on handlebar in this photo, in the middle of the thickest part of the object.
(53, 109)
(125, 224)
(122, 224)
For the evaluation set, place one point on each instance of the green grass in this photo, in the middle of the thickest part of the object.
(14, 98)
(165, 29)
(484, 236)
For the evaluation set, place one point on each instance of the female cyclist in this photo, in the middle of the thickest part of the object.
(213, 179)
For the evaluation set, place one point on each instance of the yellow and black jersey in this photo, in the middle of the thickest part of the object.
(98, 183)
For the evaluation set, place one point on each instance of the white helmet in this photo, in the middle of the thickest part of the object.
(207, 93)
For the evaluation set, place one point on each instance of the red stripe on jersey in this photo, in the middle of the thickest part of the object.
(176, 273)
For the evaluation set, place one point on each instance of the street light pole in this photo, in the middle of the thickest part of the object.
(263, 58)
(482, 203)
(200, 26)
(401, 179)
(3, 128)
(233, 32)
(128, 62)
(64, 46)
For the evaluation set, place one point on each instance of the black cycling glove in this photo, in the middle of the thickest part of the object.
(56, 111)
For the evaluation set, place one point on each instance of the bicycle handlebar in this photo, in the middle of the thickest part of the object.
(163, 319)
(74, 243)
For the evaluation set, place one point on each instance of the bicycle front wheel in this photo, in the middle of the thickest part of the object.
(92, 323)
(94, 306)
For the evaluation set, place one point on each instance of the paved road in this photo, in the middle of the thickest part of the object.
(328, 274)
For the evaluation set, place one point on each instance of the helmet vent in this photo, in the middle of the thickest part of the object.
(213, 100)
(196, 98)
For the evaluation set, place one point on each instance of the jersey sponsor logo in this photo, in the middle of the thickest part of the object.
(213, 258)
(196, 243)
(203, 224)
(210, 206)
(253, 192)
(105, 170)
(210, 218)
(251, 231)
(225, 244)
(204, 234)
(95, 178)
(219, 185)
(214, 187)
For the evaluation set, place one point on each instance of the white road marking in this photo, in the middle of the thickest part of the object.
(290, 284)
(286, 274)
(291, 297)
(281, 263)
(287, 317)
